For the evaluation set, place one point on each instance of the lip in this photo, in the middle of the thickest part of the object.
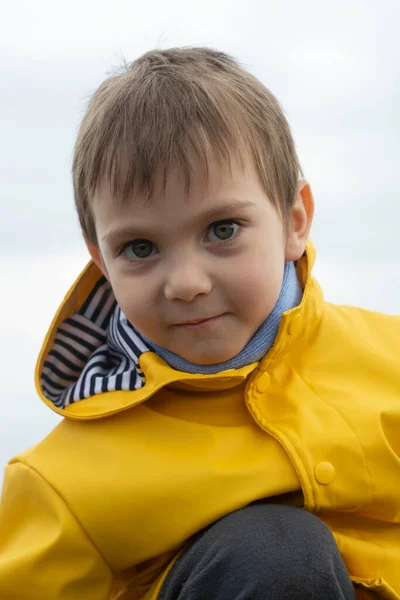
(199, 323)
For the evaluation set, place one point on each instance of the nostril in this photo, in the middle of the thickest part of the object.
(186, 284)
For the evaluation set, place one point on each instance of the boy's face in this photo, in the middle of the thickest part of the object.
(197, 275)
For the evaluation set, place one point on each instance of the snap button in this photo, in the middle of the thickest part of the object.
(325, 473)
(295, 325)
(262, 383)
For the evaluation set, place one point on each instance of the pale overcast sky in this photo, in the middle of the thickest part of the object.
(335, 67)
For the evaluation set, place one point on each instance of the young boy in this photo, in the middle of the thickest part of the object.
(227, 434)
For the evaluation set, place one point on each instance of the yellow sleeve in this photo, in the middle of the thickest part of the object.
(44, 552)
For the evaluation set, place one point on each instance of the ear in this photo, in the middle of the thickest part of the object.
(300, 222)
(96, 256)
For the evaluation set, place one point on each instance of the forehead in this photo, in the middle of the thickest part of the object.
(170, 189)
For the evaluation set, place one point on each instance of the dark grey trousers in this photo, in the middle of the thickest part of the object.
(261, 552)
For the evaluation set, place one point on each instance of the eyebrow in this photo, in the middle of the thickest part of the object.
(213, 214)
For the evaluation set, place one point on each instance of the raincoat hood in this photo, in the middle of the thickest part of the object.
(83, 372)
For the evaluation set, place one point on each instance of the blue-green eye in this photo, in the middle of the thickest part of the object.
(139, 249)
(223, 230)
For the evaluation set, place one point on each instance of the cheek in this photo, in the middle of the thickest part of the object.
(256, 287)
(133, 298)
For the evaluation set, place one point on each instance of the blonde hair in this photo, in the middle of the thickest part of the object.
(168, 109)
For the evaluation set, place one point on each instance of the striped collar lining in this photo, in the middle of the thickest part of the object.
(95, 350)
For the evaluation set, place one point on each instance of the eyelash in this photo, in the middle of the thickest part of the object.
(120, 252)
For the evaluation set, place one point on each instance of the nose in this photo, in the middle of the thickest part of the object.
(186, 279)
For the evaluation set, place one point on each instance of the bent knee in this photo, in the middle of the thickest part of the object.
(276, 533)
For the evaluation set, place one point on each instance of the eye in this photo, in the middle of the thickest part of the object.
(223, 230)
(139, 249)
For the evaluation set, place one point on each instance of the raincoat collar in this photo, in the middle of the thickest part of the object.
(296, 325)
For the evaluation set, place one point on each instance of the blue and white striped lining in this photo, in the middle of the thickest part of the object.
(96, 350)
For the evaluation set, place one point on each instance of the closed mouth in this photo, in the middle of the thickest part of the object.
(195, 321)
(192, 323)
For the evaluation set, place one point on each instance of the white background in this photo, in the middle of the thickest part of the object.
(335, 67)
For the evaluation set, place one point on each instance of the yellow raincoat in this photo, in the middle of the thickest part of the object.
(103, 505)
